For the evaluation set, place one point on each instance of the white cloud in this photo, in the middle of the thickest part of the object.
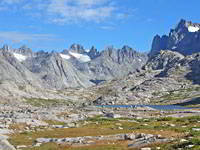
(91, 2)
(9, 5)
(69, 11)
(17, 37)
(28, 6)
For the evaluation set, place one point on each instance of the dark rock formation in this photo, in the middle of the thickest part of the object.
(185, 39)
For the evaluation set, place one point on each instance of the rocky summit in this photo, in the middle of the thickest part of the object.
(185, 39)
(110, 99)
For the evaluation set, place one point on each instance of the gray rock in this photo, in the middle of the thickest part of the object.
(5, 145)
(43, 140)
(129, 136)
(113, 115)
(146, 148)
(5, 131)
(196, 129)
(21, 146)
(3, 137)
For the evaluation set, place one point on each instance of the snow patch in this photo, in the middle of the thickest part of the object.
(193, 29)
(65, 56)
(174, 47)
(80, 57)
(19, 57)
(87, 50)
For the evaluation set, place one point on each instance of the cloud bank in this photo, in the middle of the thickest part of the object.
(67, 11)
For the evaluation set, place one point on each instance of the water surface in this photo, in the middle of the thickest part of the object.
(158, 107)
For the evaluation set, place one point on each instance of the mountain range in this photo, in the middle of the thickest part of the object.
(75, 67)
(125, 74)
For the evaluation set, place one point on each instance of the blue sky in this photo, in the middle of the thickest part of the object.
(56, 24)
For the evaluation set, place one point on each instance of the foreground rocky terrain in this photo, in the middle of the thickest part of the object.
(90, 127)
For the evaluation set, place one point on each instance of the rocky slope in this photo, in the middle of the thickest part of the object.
(185, 39)
(110, 61)
(56, 72)
(166, 77)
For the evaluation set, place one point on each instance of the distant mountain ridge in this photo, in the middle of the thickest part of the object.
(75, 67)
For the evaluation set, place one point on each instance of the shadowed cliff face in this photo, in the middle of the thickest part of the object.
(194, 64)
(185, 38)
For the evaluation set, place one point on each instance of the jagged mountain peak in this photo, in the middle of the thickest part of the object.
(93, 53)
(108, 50)
(185, 23)
(185, 26)
(126, 47)
(128, 50)
(21, 54)
(77, 48)
(185, 38)
(24, 50)
(6, 47)
(182, 23)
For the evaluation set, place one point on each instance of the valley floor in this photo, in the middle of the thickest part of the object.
(29, 127)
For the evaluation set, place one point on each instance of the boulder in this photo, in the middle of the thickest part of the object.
(5, 145)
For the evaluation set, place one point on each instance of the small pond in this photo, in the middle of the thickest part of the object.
(158, 107)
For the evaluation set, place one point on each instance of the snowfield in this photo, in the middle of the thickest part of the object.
(80, 57)
(65, 56)
(193, 29)
(19, 57)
